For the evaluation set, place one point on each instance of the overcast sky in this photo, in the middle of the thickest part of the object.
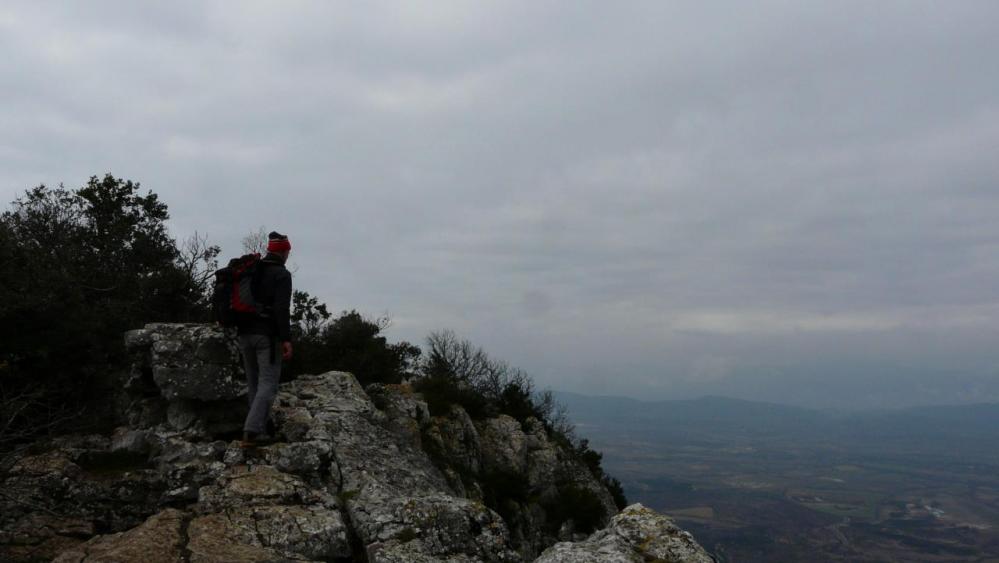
(788, 201)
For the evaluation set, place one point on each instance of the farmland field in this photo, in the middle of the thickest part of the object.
(760, 482)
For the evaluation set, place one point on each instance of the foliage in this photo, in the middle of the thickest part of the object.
(455, 371)
(440, 393)
(591, 459)
(575, 503)
(349, 342)
(255, 242)
(78, 268)
(308, 316)
(198, 260)
(616, 490)
(503, 490)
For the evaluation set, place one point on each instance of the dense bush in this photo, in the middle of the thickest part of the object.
(78, 268)
(440, 393)
(455, 372)
(349, 342)
(591, 459)
(503, 491)
(575, 503)
(616, 491)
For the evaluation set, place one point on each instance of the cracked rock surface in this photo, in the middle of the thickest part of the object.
(636, 535)
(355, 475)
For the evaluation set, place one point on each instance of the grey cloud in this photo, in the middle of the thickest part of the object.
(781, 201)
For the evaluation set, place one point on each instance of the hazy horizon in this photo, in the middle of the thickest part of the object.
(859, 409)
(788, 202)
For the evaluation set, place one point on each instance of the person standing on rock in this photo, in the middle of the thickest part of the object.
(261, 337)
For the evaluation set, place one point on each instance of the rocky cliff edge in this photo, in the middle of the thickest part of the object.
(355, 475)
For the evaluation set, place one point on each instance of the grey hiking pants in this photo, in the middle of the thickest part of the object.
(262, 379)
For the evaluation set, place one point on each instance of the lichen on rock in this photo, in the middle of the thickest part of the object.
(636, 535)
(354, 474)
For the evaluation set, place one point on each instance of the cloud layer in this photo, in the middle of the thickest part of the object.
(784, 201)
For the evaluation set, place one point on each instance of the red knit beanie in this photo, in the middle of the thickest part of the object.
(277, 243)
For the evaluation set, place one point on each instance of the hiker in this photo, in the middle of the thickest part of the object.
(265, 339)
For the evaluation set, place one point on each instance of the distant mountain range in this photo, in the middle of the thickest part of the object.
(713, 418)
(767, 482)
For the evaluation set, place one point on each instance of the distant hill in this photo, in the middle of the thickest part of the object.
(767, 482)
(724, 419)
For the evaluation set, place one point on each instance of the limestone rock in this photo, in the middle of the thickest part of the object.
(54, 500)
(189, 361)
(504, 445)
(160, 539)
(130, 441)
(413, 551)
(308, 459)
(266, 533)
(635, 535)
(244, 486)
(390, 488)
(459, 440)
(40, 537)
(353, 473)
(405, 412)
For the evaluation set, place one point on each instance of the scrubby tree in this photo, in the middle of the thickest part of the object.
(77, 268)
(309, 317)
(350, 342)
(456, 372)
(355, 344)
(255, 242)
(198, 260)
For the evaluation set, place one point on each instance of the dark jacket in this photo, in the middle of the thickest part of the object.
(273, 289)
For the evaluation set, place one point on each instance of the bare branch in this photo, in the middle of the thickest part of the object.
(255, 242)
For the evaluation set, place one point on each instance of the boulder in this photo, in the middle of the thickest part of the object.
(190, 361)
(54, 500)
(391, 490)
(636, 535)
(267, 533)
(504, 446)
(186, 376)
(160, 539)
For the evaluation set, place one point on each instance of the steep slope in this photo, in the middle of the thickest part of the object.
(356, 475)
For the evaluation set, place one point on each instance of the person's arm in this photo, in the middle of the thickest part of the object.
(282, 307)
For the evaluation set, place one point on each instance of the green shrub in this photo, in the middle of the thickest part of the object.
(455, 372)
(350, 342)
(502, 488)
(441, 392)
(406, 534)
(616, 491)
(590, 458)
(575, 503)
(77, 269)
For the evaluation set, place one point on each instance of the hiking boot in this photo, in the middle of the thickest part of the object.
(248, 441)
(252, 440)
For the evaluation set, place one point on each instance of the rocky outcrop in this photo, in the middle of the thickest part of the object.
(184, 376)
(187, 361)
(393, 494)
(355, 474)
(636, 535)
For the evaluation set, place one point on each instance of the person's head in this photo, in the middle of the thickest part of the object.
(279, 245)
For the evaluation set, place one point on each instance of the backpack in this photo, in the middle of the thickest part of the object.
(234, 298)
